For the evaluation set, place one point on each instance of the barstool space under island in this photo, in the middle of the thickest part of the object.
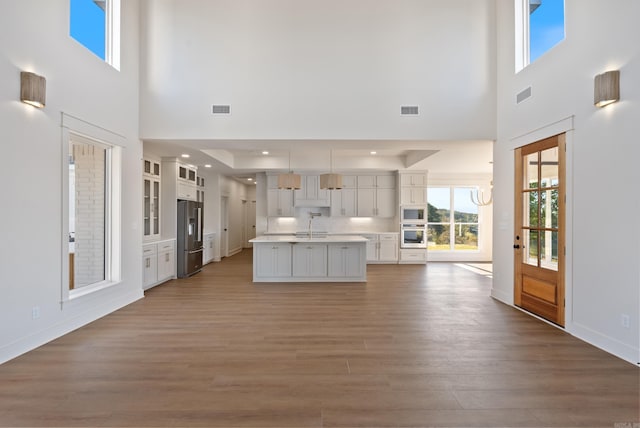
(333, 258)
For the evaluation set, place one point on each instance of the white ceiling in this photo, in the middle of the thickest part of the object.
(243, 158)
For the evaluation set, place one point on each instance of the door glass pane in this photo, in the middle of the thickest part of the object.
(530, 212)
(438, 237)
(549, 170)
(530, 252)
(554, 208)
(543, 209)
(549, 250)
(531, 171)
(439, 203)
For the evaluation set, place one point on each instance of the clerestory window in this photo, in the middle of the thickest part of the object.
(540, 25)
(96, 25)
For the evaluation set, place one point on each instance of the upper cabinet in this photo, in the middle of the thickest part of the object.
(376, 181)
(187, 182)
(151, 199)
(310, 194)
(279, 201)
(376, 196)
(413, 188)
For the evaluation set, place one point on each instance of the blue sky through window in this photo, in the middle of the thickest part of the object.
(546, 27)
(88, 25)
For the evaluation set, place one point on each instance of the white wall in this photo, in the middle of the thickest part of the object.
(603, 248)
(34, 36)
(330, 69)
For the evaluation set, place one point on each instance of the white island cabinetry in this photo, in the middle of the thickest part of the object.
(346, 260)
(272, 260)
(324, 259)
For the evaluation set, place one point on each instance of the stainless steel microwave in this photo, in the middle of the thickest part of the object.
(413, 214)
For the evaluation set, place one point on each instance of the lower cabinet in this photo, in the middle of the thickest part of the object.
(149, 265)
(272, 260)
(309, 260)
(346, 260)
(382, 248)
(158, 263)
(413, 256)
(208, 253)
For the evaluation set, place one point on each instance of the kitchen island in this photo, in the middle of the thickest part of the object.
(332, 258)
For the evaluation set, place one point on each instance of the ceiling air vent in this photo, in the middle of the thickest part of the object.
(409, 110)
(220, 109)
(523, 95)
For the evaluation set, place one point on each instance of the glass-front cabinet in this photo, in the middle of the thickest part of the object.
(151, 199)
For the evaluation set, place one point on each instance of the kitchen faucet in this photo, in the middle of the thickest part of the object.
(311, 216)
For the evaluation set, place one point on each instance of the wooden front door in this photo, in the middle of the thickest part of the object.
(539, 245)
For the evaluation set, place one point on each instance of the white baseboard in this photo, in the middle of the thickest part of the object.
(502, 296)
(34, 340)
(606, 343)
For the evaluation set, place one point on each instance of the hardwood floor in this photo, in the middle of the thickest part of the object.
(415, 346)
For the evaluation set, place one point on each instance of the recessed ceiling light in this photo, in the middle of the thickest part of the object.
(184, 155)
(265, 152)
(374, 153)
(207, 166)
(249, 179)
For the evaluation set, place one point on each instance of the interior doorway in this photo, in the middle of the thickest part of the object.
(539, 235)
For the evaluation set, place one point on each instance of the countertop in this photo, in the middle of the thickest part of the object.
(293, 238)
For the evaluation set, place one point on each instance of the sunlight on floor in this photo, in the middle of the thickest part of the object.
(485, 269)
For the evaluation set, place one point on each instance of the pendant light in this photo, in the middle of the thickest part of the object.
(331, 181)
(289, 180)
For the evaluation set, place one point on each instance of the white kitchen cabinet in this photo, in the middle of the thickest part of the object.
(151, 199)
(349, 181)
(376, 202)
(149, 265)
(413, 256)
(309, 260)
(208, 248)
(166, 260)
(382, 248)
(413, 195)
(310, 194)
(272, 260)
(200, 189)
(413, 179)
(344, 203)
(377, 181)
(413, 188)
(346, 260)
(388, 247)
(187, 182)
(158, 263)
(280, 203)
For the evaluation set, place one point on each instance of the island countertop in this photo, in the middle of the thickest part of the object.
(320, 239)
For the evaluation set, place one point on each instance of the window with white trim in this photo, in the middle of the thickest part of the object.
(91, 237)
(453, 222)
(96, 25)
(540, 25)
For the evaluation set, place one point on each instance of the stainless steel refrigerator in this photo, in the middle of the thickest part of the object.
(189, 238)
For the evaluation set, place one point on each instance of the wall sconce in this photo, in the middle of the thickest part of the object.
(606, 88)
(33, 89)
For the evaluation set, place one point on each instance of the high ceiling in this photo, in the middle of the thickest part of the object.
(243, 158)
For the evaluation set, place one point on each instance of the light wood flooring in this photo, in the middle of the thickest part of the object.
(415, 346)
